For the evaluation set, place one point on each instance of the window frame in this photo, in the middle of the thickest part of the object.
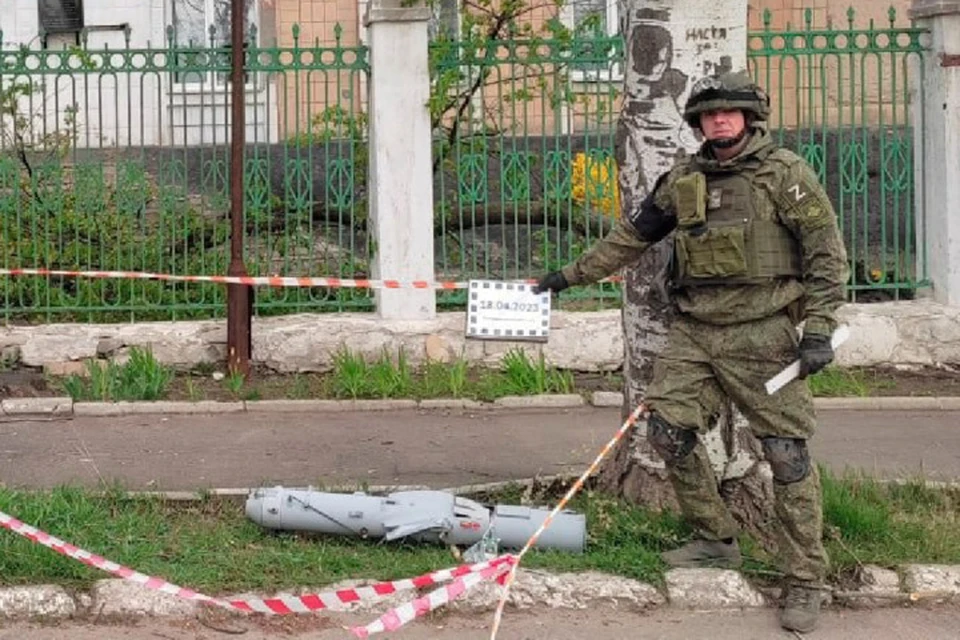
(612, 16)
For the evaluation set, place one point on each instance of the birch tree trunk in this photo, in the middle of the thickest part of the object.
(669, 45)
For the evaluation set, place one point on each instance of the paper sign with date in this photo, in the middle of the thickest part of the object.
(498, 310)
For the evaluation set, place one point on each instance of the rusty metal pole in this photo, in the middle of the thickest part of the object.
(239, 296)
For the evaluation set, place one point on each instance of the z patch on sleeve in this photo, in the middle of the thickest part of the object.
(805, 201)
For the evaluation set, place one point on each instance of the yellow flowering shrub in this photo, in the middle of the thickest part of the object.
(593, 182)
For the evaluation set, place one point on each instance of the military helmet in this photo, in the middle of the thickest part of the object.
(730, 90)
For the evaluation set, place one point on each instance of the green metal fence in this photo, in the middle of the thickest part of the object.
(524, 171)
(119, 159)
(842, 98)
(515, 200)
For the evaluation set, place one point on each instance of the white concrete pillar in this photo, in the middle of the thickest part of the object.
(401, 175)
(937, 148)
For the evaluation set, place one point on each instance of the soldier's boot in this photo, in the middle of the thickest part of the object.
(705, 553)
(801, 608)
(796, 489)
(692, 478)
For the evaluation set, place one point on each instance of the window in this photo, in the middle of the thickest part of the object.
(593, 19)
(60, 17)
(201, 24)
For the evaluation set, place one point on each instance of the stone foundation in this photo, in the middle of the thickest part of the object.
(914, 333)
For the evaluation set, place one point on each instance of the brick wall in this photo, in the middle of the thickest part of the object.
(805, 90)
(837, 90)
(303, 95)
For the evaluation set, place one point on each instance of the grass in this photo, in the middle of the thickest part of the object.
(388, 376)
(234, 383)
(838, 382)
(299, 389)
(355, 378)
(208, 546)
(870, 522)
(194, 393)
(211, 546)
(141, 377)
(521, 376)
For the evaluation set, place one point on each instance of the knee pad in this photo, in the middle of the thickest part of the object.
(672, 443)
(788, 457)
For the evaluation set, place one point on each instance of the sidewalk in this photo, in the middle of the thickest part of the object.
(435, 448)
(440, 449)
(602, 622)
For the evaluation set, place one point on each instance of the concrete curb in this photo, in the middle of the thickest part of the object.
(698, 589)
(541, 401)
(892, 403)
(65, 407)
(241, 493)
(606, 399)
(100, 409)
(874, 403)
(19, 408)
(325, 406)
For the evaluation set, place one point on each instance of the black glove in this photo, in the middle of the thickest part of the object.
(553, 281)
(815, 354)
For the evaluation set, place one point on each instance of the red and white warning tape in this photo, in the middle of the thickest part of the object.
(464, 577)
(503, 569)
(399, 616)
(93, 560)
(269, 281)
(574, 489)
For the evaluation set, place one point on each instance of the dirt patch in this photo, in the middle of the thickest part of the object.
(25, 383)
(266, 385)
(225, 622)
(928, 381)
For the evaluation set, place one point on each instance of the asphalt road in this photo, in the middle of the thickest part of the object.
(545, 624)
(434, 448)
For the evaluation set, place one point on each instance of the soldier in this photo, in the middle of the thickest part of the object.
(757, 250)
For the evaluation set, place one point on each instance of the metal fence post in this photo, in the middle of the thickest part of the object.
(239, 297)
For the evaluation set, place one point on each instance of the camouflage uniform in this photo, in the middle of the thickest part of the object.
(757, 249)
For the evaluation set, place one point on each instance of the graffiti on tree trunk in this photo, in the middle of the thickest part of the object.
(664, 57)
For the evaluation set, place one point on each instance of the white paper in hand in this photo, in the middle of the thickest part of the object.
(775, 383)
